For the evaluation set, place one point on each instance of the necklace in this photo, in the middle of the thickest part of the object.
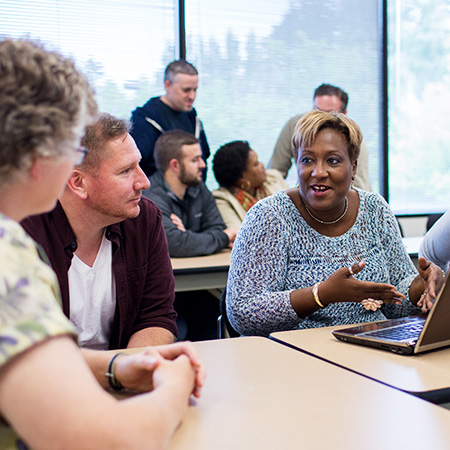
(332, 221)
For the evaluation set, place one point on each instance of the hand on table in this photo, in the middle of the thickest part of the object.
(136, 371)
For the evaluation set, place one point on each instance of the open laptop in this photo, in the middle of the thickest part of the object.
(408, 335)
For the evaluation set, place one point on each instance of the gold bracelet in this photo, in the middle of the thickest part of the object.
(443, 274)
(315, 291)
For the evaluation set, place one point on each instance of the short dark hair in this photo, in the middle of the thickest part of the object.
(96, 137)
(328, 89)
(179, 66)
(230, 162)
(312, 123)
(169, 145)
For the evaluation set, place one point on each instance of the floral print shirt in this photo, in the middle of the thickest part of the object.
(30, 306)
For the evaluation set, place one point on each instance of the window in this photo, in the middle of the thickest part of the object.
(122, 46)
(259, 63)
(419, 106)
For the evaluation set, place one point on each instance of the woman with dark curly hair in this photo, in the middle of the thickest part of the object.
(243, 181)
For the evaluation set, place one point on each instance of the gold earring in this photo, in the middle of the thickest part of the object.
(245, 186)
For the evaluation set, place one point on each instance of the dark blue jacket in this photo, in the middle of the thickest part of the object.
(204, 225)
(155, 117)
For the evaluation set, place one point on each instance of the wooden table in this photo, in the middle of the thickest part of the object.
(425, 375)
(260, 395)
(201, 272)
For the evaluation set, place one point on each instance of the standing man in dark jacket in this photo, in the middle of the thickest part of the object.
(174, 110)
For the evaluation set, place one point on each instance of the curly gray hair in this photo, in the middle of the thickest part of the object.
(45, 104)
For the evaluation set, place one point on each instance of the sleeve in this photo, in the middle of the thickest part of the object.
(145, 136)
(228, 213)
(29, 309)
(282, 153)
(190, 243)
(156, 308)
(275, 182)
(204, 144)
(400, 266)
(257, 301)
(435, 246)
(362, 179)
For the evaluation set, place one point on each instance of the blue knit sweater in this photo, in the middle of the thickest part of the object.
(276, 252)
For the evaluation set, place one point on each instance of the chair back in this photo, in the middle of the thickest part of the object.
(224, 327)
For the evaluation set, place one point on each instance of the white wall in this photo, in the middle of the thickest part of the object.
(413, 226)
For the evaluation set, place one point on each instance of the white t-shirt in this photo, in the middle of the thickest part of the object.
(92, 293)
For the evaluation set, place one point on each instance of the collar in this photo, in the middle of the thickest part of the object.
(68, 239)
(192, 191)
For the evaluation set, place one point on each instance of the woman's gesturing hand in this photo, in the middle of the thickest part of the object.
(432, 278)
(342, 286)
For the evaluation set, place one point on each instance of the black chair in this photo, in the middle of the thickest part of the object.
(402, 234)
(224, 328)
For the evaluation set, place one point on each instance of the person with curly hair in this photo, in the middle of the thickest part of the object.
(243, 181)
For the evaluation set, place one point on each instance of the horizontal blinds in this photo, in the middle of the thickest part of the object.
(123, 46)
(260, 61)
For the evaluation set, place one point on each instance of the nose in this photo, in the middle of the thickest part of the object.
(142, 182)
(319, 170)
(202, 164)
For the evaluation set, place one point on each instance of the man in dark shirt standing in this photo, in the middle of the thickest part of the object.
(173, 110)
(108, 247)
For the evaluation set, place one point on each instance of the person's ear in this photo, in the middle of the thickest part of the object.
(35, 169)
(174, 165)
(355, 164)
(167, 84)
(77, 183)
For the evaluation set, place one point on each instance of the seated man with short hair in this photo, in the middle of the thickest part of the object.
(192, 222)
(108, 248)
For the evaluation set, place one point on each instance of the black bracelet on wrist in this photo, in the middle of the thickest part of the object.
(111, 376)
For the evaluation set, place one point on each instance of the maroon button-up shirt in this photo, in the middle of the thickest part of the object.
(140, 263)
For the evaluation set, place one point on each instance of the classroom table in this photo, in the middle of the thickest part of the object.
(426, 375)
(201, 272)
(261, 395)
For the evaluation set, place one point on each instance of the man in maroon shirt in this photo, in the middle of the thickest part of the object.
(108, 248)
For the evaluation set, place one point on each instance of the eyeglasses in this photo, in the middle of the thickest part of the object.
(81, 154)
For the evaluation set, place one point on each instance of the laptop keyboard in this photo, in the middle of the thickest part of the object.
(407, 331)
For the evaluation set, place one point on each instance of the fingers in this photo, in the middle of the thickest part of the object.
(197, 385)
(173, 351)
(425, 302)
(385, 292)
(423, 263)
(177, 222)
(355, 268)
(433, 279)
